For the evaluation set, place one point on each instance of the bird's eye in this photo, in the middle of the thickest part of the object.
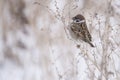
(77, 20)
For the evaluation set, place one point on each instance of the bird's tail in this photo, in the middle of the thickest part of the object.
(91, 44)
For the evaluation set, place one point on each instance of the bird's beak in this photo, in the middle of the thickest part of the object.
(73, 18)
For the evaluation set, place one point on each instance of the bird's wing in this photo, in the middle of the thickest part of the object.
(86, 32)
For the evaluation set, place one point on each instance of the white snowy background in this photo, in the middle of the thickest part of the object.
(35, 43)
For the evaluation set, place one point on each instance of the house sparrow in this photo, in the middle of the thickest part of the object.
(78, 29)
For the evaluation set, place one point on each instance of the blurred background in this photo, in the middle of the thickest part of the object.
(35, 42)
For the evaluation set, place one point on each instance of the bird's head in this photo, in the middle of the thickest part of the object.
(78, 19)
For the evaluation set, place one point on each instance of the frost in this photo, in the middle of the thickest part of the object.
(35, 43)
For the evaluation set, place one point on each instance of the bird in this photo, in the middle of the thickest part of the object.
(79, 31)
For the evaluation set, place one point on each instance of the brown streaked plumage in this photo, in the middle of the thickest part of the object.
(79, 30)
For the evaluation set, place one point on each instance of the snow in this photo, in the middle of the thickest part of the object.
(42, 49)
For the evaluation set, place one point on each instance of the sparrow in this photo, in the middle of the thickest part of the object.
(79, 31)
